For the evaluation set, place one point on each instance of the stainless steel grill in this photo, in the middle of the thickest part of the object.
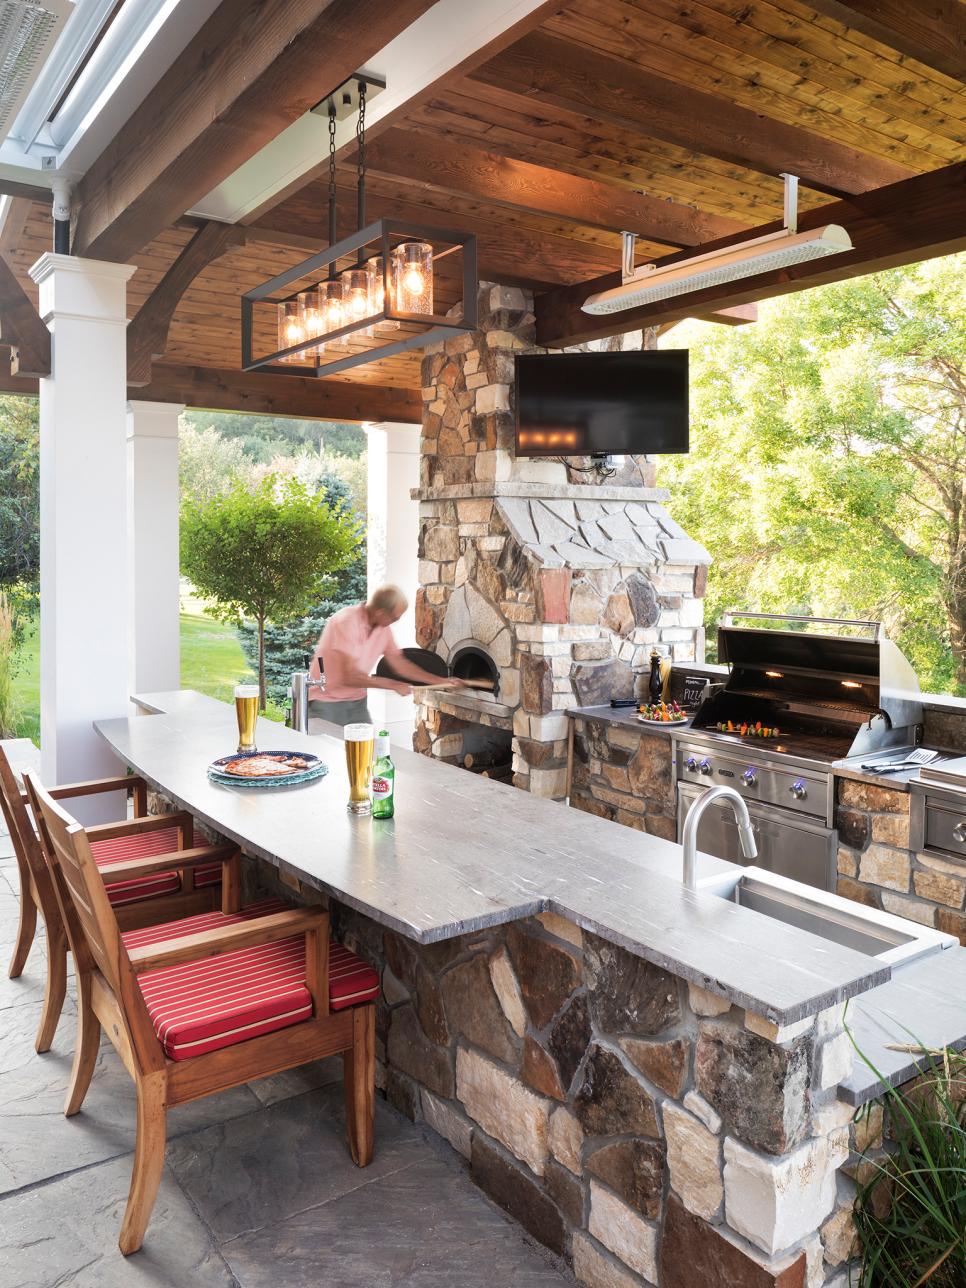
(825, 689)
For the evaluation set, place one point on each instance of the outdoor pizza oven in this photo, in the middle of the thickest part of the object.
(470, 662)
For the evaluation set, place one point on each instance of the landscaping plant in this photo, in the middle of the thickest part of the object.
(8, 645)
(910, 1213)
(267, 554)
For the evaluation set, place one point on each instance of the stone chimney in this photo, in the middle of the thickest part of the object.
(552, 588)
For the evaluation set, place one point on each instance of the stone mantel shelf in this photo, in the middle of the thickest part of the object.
(540, 492)
(464, 853)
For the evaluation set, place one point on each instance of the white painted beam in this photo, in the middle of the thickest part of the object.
(443, 38)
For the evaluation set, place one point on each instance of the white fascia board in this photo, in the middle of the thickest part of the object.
(437, 42)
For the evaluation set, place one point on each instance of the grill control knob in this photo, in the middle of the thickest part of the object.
(750, 776)
(705, 766)
(691, 764)
(798, 789)
(959, 832)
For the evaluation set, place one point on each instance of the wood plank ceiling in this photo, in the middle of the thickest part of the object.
(610, 100)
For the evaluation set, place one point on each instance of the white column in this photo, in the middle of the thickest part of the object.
(83, 518)
(392, 547)
(153, 497)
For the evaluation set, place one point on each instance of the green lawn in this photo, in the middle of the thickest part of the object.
(211, 662)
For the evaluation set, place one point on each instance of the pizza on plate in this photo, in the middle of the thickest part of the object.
(264, 766)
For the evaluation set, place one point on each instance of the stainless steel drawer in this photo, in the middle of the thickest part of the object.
(788, 844)
(938, 821)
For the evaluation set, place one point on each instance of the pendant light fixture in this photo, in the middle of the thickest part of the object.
(332, 309)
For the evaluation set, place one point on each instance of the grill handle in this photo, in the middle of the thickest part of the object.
(728, 618)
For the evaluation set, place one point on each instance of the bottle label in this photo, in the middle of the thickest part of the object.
(381, 788)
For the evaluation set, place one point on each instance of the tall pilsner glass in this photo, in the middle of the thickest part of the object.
(246, 710)
(359, 742)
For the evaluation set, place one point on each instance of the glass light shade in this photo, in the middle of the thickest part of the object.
(313, 320)
(377, 286)
(355, 294)
(332, 305)
(412, 277)
(291, 329)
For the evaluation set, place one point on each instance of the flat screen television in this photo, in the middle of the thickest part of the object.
(602, 404)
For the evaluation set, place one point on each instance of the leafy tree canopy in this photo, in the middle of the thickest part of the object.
(262, 437)
(267, 553)
(827, 472)
(19, 492)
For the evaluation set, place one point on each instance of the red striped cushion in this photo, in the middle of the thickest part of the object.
(140, 846)
(204, 1005)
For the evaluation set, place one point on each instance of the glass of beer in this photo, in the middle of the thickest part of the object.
(246, 711)
(359, 743)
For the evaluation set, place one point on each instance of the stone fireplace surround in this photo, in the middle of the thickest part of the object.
(566, 586)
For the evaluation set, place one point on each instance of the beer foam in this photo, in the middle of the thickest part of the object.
(359, 732)
(246, 690)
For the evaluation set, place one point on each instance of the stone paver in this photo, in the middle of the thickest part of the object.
(258, 1188)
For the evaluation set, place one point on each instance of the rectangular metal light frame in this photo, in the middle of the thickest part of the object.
(378, 235)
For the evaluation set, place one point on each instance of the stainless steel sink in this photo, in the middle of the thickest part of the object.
(840, 921)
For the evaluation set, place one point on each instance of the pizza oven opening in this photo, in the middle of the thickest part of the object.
(472, 663)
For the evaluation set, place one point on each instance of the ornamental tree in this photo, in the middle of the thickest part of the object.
(268, 553)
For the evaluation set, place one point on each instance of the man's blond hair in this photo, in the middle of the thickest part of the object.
(388, 599)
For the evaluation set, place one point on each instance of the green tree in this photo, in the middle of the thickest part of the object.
(268, 552)
(207, 463)
(19, 492)
(827, 472)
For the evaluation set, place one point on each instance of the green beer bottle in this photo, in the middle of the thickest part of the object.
(383, 779)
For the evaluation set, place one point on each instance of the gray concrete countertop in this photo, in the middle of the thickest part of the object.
(623, 716)
(464, 852)
(924, 1003)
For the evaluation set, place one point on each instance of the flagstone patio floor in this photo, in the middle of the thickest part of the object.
(258, 1189)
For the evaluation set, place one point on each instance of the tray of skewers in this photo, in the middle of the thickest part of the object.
(745, 729)
(661, 713)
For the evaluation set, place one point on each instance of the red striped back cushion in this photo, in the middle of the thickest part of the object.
(201, 1006)
(143, 845)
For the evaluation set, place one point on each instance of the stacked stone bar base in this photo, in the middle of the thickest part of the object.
(624, 774)
(642, 1129)
(877, 867)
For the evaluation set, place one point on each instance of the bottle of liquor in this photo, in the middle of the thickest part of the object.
(383, 779)
(655, 685)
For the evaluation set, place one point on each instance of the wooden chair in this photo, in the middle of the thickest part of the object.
(161, 994)
(162, 896)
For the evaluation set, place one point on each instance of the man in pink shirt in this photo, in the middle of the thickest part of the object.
(353, 641)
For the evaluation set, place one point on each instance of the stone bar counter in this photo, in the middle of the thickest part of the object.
(623, 771)
(646, 1078)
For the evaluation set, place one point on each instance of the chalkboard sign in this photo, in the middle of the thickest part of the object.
(687, 690)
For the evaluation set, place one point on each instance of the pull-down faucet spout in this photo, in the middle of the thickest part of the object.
(689, 840)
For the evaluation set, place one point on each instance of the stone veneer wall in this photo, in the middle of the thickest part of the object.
(567, 586)
(876, 866)
(641, 1128)
(624, 774)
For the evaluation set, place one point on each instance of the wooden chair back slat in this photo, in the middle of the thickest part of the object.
(26, 844)
(95, 918)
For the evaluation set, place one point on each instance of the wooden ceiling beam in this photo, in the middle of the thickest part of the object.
(514, 254)
(737, 315)
(253, 68)
(439, 164)
(551, 72)
(22, 328)
(919, 218)
(147, 333)
(933, 32)
(216, 389)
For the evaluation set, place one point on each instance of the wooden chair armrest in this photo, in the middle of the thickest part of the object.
(122, 783)
(134, 826)
(225, 939)
(203, 854)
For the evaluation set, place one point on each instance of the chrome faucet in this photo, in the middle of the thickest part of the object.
(689, 840)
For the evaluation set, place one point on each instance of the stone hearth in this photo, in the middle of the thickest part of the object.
(566, 585)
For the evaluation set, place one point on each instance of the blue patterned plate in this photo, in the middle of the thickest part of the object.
(314, 768)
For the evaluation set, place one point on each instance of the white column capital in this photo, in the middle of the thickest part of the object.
(401, 435)
(82, 288)
(153, 419)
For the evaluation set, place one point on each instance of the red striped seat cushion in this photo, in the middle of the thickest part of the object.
(201, 1006)
(141, 845)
